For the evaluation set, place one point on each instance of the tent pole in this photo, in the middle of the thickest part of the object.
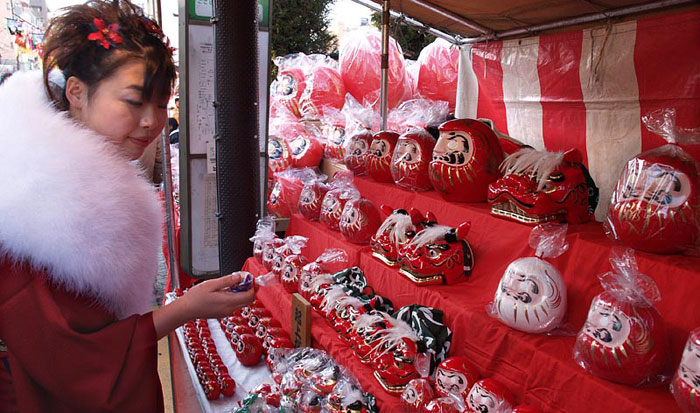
(384, 95)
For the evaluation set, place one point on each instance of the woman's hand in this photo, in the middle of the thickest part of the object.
(208, 299)
(214, 298)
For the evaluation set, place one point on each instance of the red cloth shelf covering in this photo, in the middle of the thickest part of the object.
(279, 302)
(539, 369)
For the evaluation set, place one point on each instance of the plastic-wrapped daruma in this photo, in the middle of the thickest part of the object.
(360, 66)
(379, 157)
(359, 221)
(488, 396)
(455, 376)
(357, 151)
(655, 206)
(686, 382)
(324, 89)
(438, 72)
(411, 160)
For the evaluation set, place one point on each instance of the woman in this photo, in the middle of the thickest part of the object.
(79, 228)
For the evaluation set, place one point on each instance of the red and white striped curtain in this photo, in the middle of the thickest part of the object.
(588, 89)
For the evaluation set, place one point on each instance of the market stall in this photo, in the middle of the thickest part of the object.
(585, 100)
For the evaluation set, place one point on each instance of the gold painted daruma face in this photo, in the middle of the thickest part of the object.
(531, 296)
(608, 326)
(657, 184)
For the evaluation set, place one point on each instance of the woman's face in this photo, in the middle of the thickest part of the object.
(117, 110)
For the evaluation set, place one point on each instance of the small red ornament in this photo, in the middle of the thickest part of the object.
(489, 396)
(311, 198)
(455, 376)
(686, 382)
(416, 396)
(248, 350)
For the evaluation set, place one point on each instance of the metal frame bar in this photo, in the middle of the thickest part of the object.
(411, 21)
(490, 35)
(572, 21)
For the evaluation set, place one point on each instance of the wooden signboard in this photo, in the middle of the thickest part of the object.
(301, 321)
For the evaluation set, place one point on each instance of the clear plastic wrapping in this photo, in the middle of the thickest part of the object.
(341, 190)
(359, 221)
(416, 396)
(686, 382)
(531, 296)
(264, 232)
(655, 205)
(624, 339)
(360, 66)
(283, 200)
(311, 198)
(324, 88)
(437, 72)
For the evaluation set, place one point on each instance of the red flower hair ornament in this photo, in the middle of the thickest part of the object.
(105, 36)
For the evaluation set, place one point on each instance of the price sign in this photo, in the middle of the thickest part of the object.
(301, 321)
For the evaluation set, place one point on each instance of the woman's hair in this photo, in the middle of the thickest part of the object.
(91, 41)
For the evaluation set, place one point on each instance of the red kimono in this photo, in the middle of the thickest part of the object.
(80, 232)
(68, 354)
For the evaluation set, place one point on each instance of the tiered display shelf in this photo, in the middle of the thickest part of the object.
(538, 369)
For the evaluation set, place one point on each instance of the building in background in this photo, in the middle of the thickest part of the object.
(346, 16)
(22, 33)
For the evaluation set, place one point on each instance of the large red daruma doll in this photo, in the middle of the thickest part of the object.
(465, 161)
(324, 89)
(411, 160)
(655, 206)
(686, 382)
(360, 67)
(437, 73)
(379, 157)
(624, 339)
(622, 342)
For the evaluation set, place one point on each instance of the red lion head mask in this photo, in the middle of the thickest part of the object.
(438, 254)
(399, 227)
(540, 187)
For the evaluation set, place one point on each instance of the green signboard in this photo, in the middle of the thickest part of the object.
(202, 10)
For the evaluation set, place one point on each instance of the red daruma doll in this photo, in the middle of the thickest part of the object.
(342, 190)
(686, 382)
(438, 69)
(360, 66)
(324, 89)
(655, 206)
(624, 339)
(378, 158)
(465, 160)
